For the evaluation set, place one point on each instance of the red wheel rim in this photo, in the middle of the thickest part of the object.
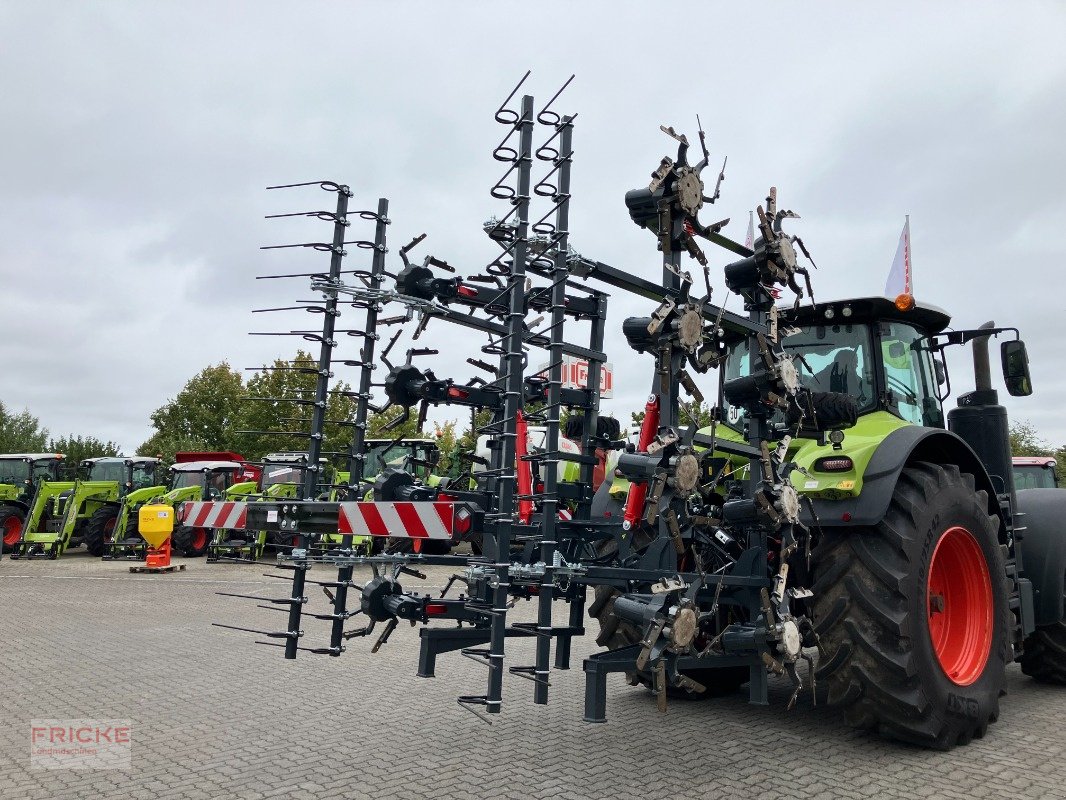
(959, 604)
(109, 529)
(12, 530)
(199, 538)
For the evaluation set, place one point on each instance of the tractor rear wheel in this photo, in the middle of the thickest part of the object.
(912, 613)
(1044, 656)
(12, 520)
(100, 531)
(190, 542)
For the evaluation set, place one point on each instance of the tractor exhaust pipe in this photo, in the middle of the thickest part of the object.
(982, 370)
(982, 422)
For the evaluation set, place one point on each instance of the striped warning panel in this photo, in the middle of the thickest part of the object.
(424, 520)
(228, 515)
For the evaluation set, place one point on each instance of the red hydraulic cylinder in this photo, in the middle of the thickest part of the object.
(639, 491)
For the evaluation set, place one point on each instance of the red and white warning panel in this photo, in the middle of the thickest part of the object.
(413, 520)
(206, 514)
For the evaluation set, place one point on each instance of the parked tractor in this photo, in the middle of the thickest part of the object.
(20, 474)
(1034, 472)
(280, 475)
(111, 531)
(918, 598)
(198, 481)
(63, 512)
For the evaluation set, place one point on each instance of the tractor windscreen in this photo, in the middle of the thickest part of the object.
(1034, 477)
(179, 480)
(143, 476)
(14, 470)
(108, 471)
(411, 457)
(828, 358)
(282, 473)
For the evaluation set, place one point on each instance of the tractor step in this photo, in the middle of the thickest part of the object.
(168, 568)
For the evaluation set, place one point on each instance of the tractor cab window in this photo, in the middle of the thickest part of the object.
(828, 358)
(14, 471)
(910, 387)
(44, 470)
(143, 476)
(217, 483)
(282, 473)
(114, 471)
(1034, 477)
(180, 480)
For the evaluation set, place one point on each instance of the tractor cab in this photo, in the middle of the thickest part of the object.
(868, 349)
(419, 457)
(131, 474)
(1034, 472)
(213, 478)
(283, 474)
(23, 471)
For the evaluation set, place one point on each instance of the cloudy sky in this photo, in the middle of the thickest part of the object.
(139, 137)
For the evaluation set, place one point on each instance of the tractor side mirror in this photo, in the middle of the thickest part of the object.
(1016, 368)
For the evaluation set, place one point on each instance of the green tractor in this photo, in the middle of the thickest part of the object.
(111, 531)
(63, 512)
(281, 476)
(203, 480)
(920, 594)
(20, 474)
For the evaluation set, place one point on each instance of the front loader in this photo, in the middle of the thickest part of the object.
(63, 512)
(20, 474)
(112, 530)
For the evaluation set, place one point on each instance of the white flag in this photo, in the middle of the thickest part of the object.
(900, 279)
(750, 241)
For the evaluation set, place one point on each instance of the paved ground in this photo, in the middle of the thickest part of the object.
(216, 717)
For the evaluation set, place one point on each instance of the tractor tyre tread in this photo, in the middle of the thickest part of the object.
(96, 531)
(870, 600)
(1044, 656)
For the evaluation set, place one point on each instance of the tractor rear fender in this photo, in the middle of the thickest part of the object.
(901, 447)
(1041, 514)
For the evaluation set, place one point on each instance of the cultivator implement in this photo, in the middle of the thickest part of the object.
(701, 556)
(692, 580)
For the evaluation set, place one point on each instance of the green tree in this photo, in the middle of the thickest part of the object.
(21, 433)
(201, 417)
(269, 406)
(78, 448)
(1025, 441)
(700, 413)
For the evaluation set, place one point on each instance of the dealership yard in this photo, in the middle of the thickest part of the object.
(214, 716)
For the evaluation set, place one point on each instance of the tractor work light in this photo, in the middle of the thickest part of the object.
(834, 464)
(830, 313)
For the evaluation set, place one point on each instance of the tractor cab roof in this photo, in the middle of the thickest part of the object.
(865, 310)
(120, 460)
(1033, 461)
(32, 457)
(287, 458)
(204, 466)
